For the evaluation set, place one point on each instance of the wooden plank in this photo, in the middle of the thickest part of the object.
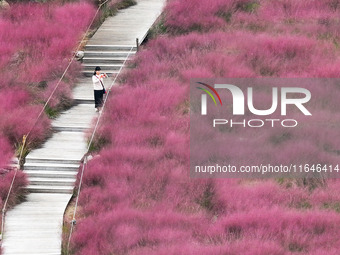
(129, 24)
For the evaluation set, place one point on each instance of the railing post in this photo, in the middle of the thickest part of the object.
(2, 225)
(137, 43)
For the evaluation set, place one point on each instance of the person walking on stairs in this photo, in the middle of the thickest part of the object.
(98, 86)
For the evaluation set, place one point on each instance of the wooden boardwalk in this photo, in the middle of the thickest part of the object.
(34, 227)
(129, 24)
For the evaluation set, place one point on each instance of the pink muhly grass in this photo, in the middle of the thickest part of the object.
(11, 124)
(6, 152)
(131, 229)
(5, 183)
(38, 46)
(202, 15)
(305, 229)
(138, 197)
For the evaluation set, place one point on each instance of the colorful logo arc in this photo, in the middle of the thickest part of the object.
(209, 93)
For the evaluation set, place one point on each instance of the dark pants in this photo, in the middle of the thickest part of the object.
(98, 98)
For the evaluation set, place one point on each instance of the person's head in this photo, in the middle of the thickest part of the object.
(97, 70)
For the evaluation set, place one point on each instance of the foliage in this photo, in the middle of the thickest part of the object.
(137, 197)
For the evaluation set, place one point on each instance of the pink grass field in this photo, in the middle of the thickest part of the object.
(36, 44)
(137, 197)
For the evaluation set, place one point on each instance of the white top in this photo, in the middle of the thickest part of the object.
(96, 82)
